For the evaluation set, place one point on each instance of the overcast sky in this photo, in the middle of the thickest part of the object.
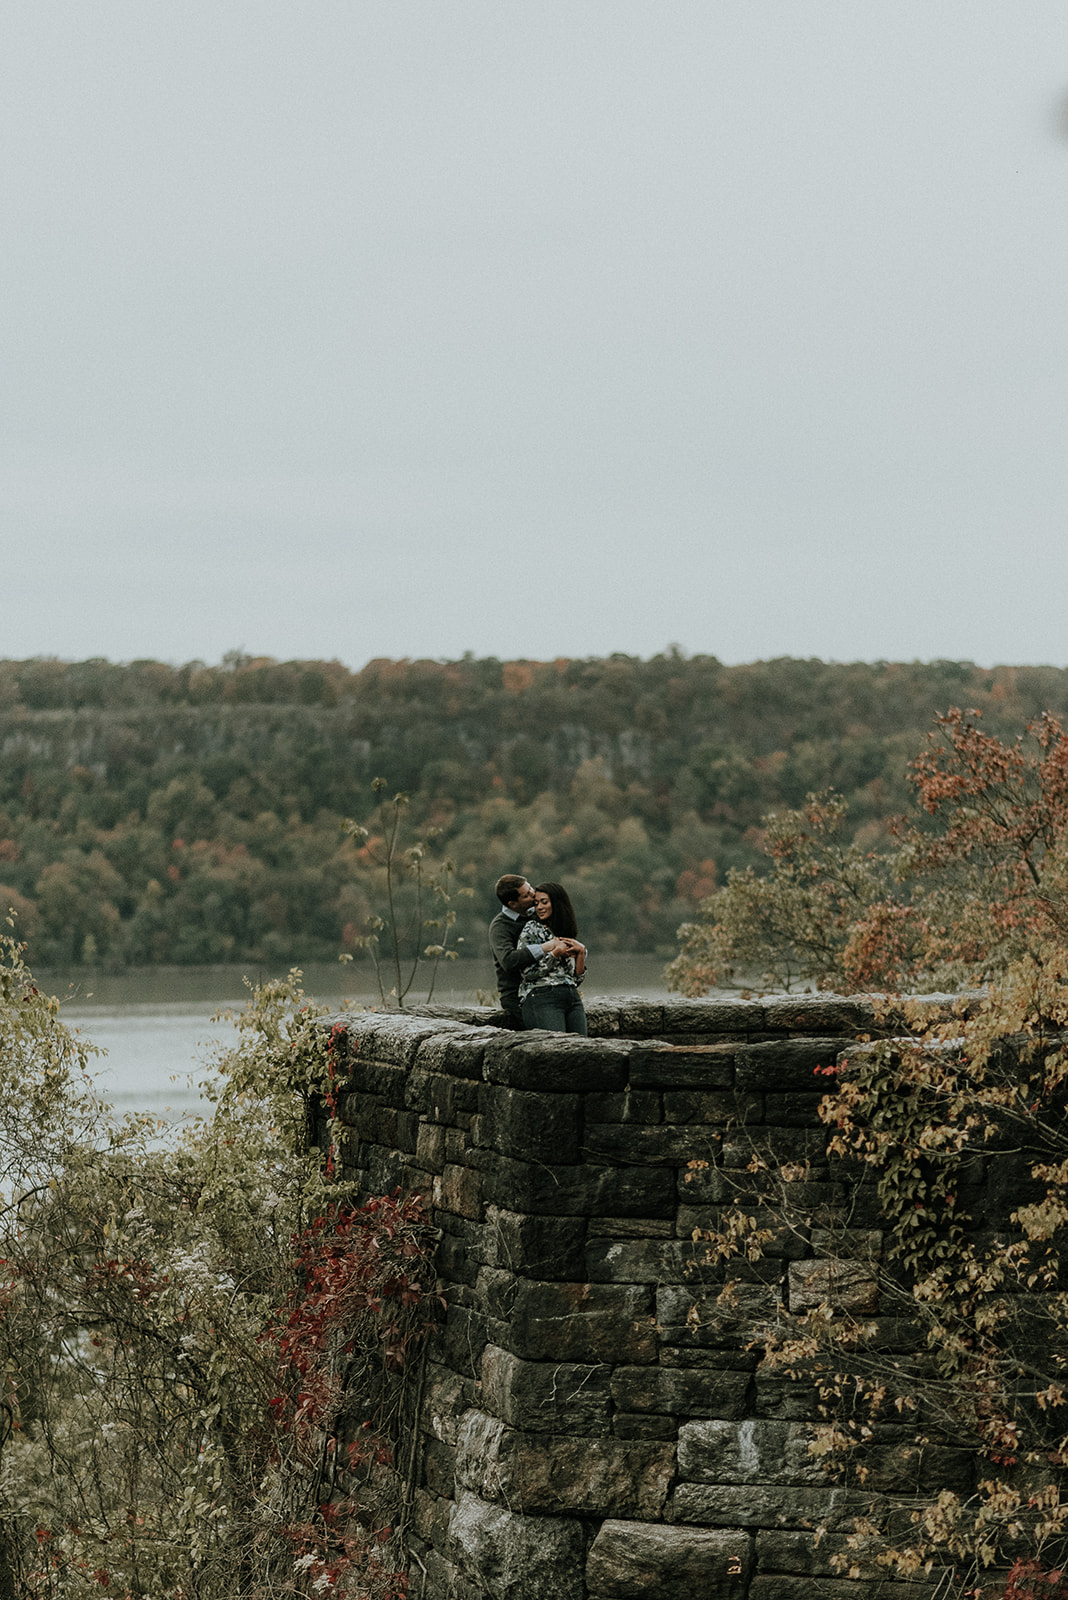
(358, 329)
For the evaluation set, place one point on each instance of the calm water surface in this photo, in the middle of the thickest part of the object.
(157, 1026)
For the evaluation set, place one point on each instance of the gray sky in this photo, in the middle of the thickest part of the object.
(351, 329)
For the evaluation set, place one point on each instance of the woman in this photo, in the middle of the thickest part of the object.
(548, 993)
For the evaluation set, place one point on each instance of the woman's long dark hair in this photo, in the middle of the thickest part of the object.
(563, 922)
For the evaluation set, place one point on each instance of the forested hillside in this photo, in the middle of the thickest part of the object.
(151, 813)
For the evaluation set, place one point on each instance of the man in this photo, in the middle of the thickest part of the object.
(509, 957)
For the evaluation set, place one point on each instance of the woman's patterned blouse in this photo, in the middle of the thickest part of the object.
(550, 969)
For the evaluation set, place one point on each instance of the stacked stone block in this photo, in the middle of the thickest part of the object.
(598, 1423)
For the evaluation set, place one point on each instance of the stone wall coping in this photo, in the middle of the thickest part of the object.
(632, 1019)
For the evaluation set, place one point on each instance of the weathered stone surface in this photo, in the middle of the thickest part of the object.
(534, 1127)
(734, 1358)
(458, 1143)
(474, 1016)
(459, 1052)
(478, 1447)
(749, 1451)
(639, 1560)
(783, 1239)
(637, 1260)
(578, 1322)
(382, 1170)
(602, 1019)
(627, 1105)
(587, 1190)
(391, 1126)
(554, 1390)
(678, 1391)
(537, 1473)
(813, 1196)
(358, 1106)
(740, 1270)
(826, 1014)
(778, 1586)
(759, 1506)
(905, 1468)
(445, 1398)
(704, 1184)
(863, 1209)
(628, 1015)
(777, 1395)
(553, 1396)
(785, 1064)
(639, 1018)
(632, 1227)
(683, 1066)
(845, 1285)
(798, 1553)
(713, 1016)
(439, 1467)
(430, 1517)
(799, 1147)
(795, 1109)
(714, 1106)
(514, 1557)
(430, 1146)
(443, 1579)
(371, 1081)
(537, 1247)
(458, 1189)
(465, 1246)
(855, 1244)
(438, 1096)
(704, 1317)
(392, 1038)
(663, 1145)
(464, 1339)
(555, 1063)
(496, 1290)
(644, 1425)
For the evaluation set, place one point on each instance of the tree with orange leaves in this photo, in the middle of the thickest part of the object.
(959, 1121)
(974, 881)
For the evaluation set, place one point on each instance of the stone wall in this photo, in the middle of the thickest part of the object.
(596, 1424)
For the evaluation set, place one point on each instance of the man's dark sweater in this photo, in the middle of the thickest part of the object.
(509, 960)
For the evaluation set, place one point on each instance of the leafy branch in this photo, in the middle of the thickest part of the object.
(412, 887)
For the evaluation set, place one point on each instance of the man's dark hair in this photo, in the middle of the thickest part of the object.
(507, 888)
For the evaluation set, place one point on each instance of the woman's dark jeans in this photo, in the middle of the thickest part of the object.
(557, 1006)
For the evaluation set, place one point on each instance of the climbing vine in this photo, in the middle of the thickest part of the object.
(933, 1323)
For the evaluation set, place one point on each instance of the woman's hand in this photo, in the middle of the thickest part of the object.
(568, 947)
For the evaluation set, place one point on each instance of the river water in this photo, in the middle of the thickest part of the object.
(160, 1026)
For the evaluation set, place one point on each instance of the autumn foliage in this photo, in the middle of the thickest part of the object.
(211, 1349)
(160, 814)
(973, 879)
(956, 1114)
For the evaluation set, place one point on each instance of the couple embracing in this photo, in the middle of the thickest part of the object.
(536, 951)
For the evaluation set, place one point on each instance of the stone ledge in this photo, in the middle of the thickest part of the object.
(763, 1506)
(532, 1472)
(546, 1396)
(749, 1452)
(513, 1557)
(636, 1560)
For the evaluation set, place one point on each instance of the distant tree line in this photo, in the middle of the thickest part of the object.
(157, 814)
